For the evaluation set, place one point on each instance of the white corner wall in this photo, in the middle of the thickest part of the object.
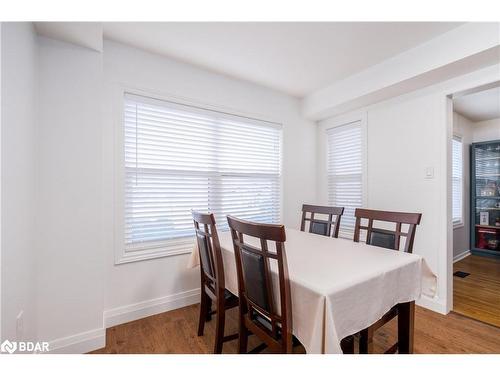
(71, 253)
(137, 289)
(19, 86)
(80, 93)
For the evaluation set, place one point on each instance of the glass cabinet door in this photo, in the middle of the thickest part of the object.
(486, 196)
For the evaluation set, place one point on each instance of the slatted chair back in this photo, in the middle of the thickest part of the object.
(258, 299)
(381, 237)
(321, 226)
(212, 267)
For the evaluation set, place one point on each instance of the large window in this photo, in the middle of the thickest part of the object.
(345, 169)
(457, 180)
(179, 158)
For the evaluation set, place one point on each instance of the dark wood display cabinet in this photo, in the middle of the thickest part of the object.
(485, 198)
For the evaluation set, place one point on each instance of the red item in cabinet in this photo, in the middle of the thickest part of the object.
(484, 235)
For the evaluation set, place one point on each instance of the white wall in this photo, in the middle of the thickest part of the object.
(71, 253)
(487, 130)
(463, 127)
(405, 136)
(129, 68)
(19, 83)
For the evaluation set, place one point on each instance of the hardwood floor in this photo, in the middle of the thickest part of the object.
(175, 332)
(478, 295)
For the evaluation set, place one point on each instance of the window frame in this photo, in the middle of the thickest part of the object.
(460, 223)
(175, 246)
(340, 121)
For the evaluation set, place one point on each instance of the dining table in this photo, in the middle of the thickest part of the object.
(340, 287)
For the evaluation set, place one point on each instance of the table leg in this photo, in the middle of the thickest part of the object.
(347, 345)
(406, 327)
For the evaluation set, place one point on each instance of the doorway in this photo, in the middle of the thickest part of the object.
(476, 203)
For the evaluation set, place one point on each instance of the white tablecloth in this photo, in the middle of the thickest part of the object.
(338, 286)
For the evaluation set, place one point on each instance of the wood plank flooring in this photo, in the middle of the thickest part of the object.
(175, 332)
(478, 295)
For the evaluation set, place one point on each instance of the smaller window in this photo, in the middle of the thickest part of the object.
(457, 180)
(345, 167)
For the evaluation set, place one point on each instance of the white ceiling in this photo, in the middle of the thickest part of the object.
(294, 58)
(85, 34)
(479, 106)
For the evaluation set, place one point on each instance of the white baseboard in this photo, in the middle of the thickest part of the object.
(434, 304)
(80, 343)
(95, 339)
(144, 309)
(461, 256)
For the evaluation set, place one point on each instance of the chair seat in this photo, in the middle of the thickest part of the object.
(230, 301)
(266, 323)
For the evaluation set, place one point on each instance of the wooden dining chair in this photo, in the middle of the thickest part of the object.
(259, 300)
(389, 239)
(321, 226)
(212, 279)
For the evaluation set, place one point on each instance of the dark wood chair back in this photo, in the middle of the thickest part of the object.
(389, 239)
(322, 226)
(212, 279)
(258, 297)
(212, 267)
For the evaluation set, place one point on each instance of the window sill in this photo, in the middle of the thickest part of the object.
(140, 254)
(458, 225)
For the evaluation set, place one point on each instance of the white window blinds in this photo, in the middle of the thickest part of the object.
(179, 158)
(345, 171)
(457, 180)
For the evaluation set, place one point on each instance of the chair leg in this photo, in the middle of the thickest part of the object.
(243, 338)
(219, 328)
(288, 345)
(406, 327)
(203, 312)
(209, 310)
(366, 341)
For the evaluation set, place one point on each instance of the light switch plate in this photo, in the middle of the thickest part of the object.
(429, 172)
